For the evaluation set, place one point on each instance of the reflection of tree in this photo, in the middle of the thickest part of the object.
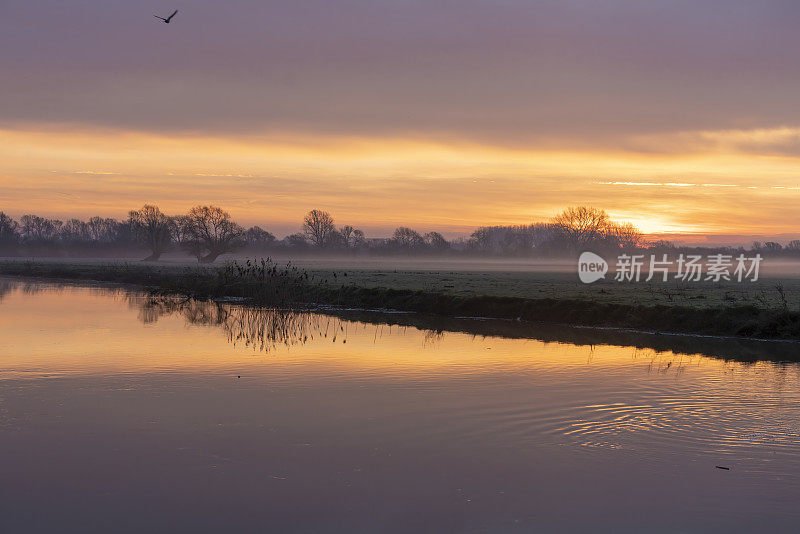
(6, 287)
(432, 338)
(261, 328)
(265, 328)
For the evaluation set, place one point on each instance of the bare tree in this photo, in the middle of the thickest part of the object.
(257, 237)
(407, 238)
(75, 231)
(480, 239)
(102, 230)
(351, 237)
(510, 240)
(318, 227)
(347, 234)
(8, 230)
(35, 229)
(793, 245)
(436, 241)
(209, 231)
(626, 235)
(297, 240)
(581, 225)
(358, 238)
(152, 228)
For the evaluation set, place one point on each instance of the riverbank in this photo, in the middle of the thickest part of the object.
(269, 284)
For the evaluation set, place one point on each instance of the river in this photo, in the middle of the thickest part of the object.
(120, 412)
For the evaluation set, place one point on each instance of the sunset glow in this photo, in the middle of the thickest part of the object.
(383, 183)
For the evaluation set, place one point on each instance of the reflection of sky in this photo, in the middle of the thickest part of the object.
(265, 108)
(96, 404)
(108, 331)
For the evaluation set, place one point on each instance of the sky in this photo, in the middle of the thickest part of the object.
(679, 116)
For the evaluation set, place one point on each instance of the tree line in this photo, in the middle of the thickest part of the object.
(207, 232)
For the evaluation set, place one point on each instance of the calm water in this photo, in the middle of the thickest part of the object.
(122, 414)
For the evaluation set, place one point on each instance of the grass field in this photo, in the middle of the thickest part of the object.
(778, 288)
(531, 279)
(763, 294)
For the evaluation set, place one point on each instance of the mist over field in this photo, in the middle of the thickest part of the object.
(208, 232)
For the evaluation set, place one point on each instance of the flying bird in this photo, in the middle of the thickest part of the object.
(166, 20)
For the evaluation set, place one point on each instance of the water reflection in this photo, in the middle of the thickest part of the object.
(266, 328)
(255, 419)
(260, 328)
(660, 416)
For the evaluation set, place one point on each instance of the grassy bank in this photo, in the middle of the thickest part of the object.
(270, 284)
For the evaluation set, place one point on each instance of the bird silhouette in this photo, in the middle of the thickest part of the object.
(166, 20)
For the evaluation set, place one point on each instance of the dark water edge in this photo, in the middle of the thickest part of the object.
(721, 347)
(262, 321)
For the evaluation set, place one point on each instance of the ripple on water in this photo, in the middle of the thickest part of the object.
(745, 430)
(709, 418)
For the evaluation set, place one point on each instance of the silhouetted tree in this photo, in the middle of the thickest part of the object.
(153, 229)
(358, 239)
(351, 237)
(35, 229)
(581, 225)
(407, 238)
(8, 231)
(436, 241)
(296, 241)
(74, 231)
(625, 235)
(318, 227)
(480, 239)
(208, 232)
(772, 246)
(793, 245)
(662, 244)
(100, 230)
(337, 240)
(510, 240)
(347, 233)
(257, 237)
